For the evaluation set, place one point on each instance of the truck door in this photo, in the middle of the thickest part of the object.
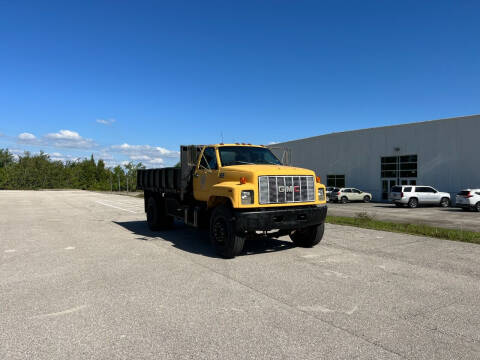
(206, 174)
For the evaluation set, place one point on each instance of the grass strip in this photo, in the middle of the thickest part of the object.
(413, 229)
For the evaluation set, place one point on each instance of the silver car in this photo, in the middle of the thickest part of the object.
(414, 195)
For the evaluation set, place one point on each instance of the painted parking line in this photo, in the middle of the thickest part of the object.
(116, 207)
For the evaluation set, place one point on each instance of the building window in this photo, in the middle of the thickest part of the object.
(336, 180)
(399, 166)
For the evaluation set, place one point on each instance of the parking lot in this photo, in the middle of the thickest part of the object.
(81, 276)
(451, 217)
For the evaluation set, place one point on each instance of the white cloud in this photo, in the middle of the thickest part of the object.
(64, 139)
(68, 139)
(156, 161)
(148, 155)
(26, 138)
(140, 157)
(145, 150)
(106, 121)
(272, 143)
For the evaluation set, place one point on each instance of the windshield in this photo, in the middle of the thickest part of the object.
(241, 155)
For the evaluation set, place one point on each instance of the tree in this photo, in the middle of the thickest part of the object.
(6, 158)
(40, 172)
(131, 174)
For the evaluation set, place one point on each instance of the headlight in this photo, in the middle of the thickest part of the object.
(247, 197)
(321, 194)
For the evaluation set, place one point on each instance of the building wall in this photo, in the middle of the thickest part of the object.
(448, 153)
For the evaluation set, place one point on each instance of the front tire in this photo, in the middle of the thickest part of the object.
(222, 233)
(366, 199)
(445, 202)
(308, 237)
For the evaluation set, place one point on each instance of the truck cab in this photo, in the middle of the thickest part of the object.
(238, 191)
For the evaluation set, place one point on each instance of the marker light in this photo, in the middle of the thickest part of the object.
(243, 180)
(319, 180)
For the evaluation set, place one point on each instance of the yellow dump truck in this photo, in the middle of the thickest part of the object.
(238, 192)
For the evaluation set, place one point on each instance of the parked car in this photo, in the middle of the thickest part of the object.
(345, 195)
(329, 190)
(414, 195)
(468, 199)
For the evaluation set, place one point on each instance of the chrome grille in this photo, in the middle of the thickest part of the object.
(285, 189)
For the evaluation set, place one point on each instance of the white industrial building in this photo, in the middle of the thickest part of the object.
(442, 153)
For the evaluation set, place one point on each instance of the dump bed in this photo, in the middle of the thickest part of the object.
(176, 180)
(166, 180)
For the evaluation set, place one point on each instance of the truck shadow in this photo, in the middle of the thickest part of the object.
(197, 241)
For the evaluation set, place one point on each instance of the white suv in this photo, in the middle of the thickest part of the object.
(468, 199)
(414, 195)
(345, 195)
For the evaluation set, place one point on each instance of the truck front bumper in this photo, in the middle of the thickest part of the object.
(282, 219)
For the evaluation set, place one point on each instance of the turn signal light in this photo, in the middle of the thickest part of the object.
(319, 180)
(243, 180)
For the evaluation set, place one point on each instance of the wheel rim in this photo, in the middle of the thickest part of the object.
(413, 203)
(478, 206)
(220, 231)
(444, 203)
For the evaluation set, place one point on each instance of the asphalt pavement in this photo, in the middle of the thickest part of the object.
(450, 217)
(82, 277)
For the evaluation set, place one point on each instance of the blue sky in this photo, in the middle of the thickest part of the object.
(132, 80)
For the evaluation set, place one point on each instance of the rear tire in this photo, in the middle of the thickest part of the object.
(157, 217)
(308, 237)
(445, 202)
(366, 199)
(477, 207)
(344, 200)
(412, 203)
(222, 233)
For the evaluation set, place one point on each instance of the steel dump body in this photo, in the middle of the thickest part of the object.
(167, 180)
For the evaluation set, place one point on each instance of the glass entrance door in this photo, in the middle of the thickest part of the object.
(397, 170)
(387, 185)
